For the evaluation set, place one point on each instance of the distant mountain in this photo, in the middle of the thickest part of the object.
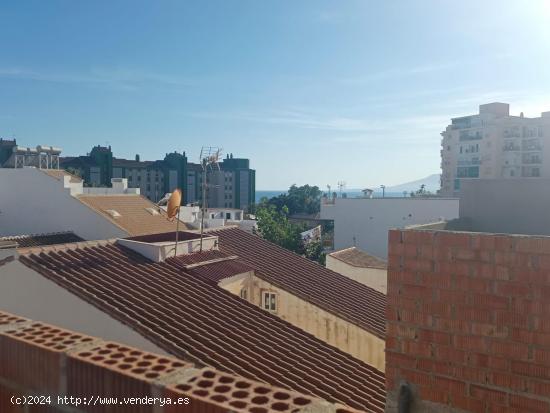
(431, 182)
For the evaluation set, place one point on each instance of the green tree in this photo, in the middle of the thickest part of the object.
(421, 192)
(304, 199)
(274, 226)
(314, 251)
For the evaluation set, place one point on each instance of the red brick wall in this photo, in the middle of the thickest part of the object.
(468, 319)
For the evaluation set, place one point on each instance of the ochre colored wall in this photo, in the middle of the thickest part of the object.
(325, 326)
(236, 283)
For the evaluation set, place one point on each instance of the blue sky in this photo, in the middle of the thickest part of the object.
(311, 91)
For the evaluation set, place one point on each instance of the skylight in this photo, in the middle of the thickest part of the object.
(113, 213)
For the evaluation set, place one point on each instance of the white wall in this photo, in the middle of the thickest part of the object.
(32, 202)
(25, 292)
(365, 222)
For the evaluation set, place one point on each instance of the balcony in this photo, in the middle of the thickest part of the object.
(532, 145)
(532, 160)
(467, 136)
(469, 162)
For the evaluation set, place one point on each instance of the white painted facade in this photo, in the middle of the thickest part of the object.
(364, 222)
(492, 144)
(214, 218)
(32, 202)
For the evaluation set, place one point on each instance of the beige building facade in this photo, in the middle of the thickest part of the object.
(327, 327)
(494, 144)
(361, 267)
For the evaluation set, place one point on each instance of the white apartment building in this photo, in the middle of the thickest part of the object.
(493, 144)
(364, 222)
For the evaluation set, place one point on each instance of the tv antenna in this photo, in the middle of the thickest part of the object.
(209, 157)
(341, 187)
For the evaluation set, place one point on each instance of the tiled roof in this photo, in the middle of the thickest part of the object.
(216, 267)
(219, 270)
(134, 218)
(198, 257)
(197, 321)
(103, 368)
(333, 292)
(60, 173)
(36, 240)
(357, 258)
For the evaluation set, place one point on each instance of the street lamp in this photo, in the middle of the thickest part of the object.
(383, 190)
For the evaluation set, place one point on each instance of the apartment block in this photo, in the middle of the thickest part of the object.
(494, 144)
(233, 185)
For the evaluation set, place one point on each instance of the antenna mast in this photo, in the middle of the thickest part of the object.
(209, 160)
(341, 187)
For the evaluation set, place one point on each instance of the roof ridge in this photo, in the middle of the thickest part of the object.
(224, 228)
(106, 194)
(359, 250)
(37, 234)
(67, 246)
(344, 249)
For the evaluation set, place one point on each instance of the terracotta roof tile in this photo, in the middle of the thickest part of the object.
(211, 265)
(357, 258)
(36, 240)
(134, 217)
(60, 173)
(333, 292)
(197, 321)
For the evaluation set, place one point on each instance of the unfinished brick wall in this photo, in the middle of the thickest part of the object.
(468, 321)
(38, 359)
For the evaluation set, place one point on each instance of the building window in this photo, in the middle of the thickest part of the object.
(269, 301)
(244, 294)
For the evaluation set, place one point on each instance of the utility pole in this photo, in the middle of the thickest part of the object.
(203, 209)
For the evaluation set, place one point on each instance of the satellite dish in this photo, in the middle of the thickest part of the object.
(174, 204)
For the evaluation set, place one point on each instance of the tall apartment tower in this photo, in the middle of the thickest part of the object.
(232, 186)
(493, 144)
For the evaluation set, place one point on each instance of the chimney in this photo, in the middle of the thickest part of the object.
(120, 185)
(137, 157)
